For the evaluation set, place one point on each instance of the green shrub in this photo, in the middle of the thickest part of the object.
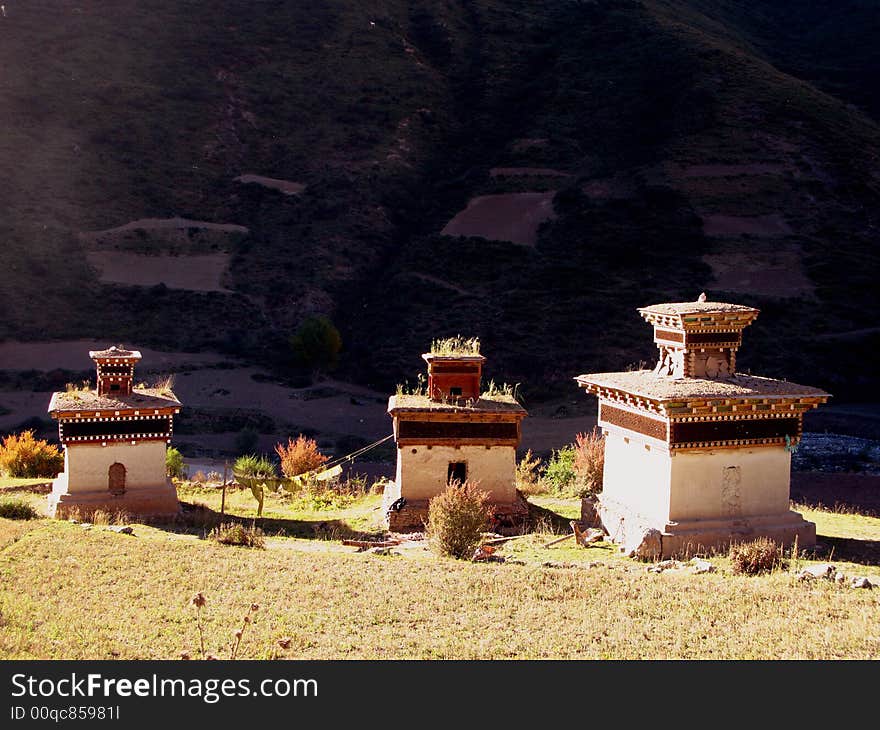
(457, 519)
(316, 344)
(174, 466)
(559, 472)
(22, 455)
(253, 466)
(17, 509)
(576, 470)
(246, 440)
(762, 555)
(257, 473)
(234, 533)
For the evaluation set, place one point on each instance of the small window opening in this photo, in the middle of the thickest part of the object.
(457, 472)
(455, 391)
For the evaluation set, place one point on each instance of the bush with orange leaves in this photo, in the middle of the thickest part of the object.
(299, 456)
(22, 455)
(589, 461)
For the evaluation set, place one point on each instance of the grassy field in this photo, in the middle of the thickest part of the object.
(69, 592)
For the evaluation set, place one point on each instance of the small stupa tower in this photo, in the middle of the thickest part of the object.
(451, 432)
(693, 449)
(114, 438)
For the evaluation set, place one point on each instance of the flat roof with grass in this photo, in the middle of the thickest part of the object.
(647, 384)
(89, 400)
(495, 404)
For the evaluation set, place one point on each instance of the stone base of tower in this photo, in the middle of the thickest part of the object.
(701, 537)
(413, 516)
(699, 500)
(143, 501)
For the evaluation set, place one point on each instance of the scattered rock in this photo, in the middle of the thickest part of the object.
(589, 536)
(664, 565)
(382, 551)
(702, 566)
(823, 570)
(861, 582)
(649, 546)
(86, 525)
(121, 529)
(554, 564)
(590, 513)
(515, 561)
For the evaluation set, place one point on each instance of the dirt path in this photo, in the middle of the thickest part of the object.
(74, 355)
(513, 217)
(526, 171)
(176, 223)
(716, 224)
(754, 168)
(194, 273)
(285, 186)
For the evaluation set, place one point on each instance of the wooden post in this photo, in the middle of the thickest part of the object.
(223, 496)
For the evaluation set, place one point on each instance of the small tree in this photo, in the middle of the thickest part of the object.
(257, 473)
(22, 455)
(246, 440)
(528, 479)
(457, 519)
(299, 456)
(316, 344)
(174, 465)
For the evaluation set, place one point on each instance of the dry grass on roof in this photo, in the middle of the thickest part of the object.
(410, 402)
(645, 383)
(89, 400)
(458, 345)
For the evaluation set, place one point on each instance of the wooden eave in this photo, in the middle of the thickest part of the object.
(63, 415)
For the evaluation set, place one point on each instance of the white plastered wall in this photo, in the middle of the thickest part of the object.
(637, 475)
(422, 471)
(86, 466)
(730, 483)
(694, 485)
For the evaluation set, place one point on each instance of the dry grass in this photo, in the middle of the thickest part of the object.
(458, 345)
(323, 600)
(11, 530)
(363, 606)
(528, 475)
(235, 533)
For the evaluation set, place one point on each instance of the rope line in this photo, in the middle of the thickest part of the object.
(355, 454)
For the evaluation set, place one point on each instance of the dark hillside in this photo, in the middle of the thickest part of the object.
(676, 146)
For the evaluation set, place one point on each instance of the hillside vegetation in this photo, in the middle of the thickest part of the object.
(705, 146)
